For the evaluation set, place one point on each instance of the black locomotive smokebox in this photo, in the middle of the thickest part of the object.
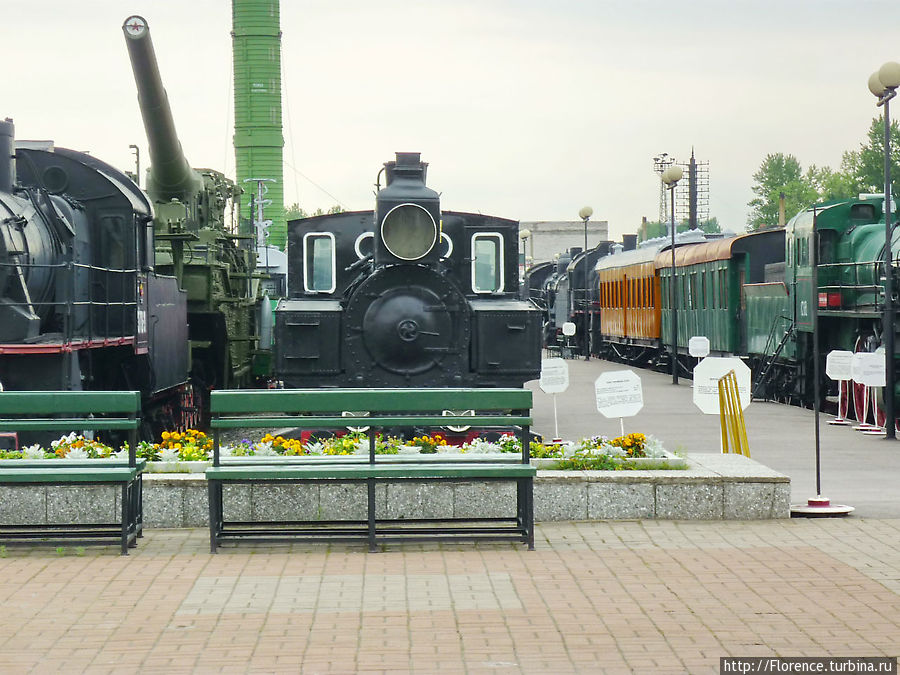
(407, 214)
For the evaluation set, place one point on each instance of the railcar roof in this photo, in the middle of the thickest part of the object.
(718, 249)
(633, 257)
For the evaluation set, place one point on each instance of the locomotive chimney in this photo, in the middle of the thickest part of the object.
(629, 241)
(7, 155)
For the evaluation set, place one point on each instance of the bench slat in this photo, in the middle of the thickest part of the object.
(62, 424)
(75, 474)
(69, 402)
(140, 463)
(310, 422)
(380, 400)
(363, 471)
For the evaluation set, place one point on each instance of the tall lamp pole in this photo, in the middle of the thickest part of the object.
(884, 85)
(523, 236)
(585, 214)
(670, 177)
(137, 163)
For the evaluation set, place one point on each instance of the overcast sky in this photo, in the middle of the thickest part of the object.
(526, 109)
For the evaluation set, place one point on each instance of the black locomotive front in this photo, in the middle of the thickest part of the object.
(405, 296)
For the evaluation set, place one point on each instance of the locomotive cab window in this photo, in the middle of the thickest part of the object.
(319, 262)
(487, 262)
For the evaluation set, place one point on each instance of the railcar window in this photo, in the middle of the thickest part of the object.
(664, 289)
(826, 246)
(487, 262)
(723, 295)
(319, 258)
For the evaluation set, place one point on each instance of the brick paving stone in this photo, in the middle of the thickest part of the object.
(634, 596)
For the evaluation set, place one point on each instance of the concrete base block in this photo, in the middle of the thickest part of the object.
(620, 501)
(693, 501)
(713, 487)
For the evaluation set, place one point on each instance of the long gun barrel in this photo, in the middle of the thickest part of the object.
(170, 176)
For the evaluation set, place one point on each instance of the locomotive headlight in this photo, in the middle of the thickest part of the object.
(409, 232)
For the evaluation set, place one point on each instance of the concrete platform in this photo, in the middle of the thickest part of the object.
(714, 487)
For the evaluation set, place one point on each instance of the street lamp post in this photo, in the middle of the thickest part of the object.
(884, 85)
(670, 177)
(523, 236)
(137, 163)
(585, 214)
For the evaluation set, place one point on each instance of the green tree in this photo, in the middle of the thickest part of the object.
(778, 173)
(830, 184)
(293, 212)
(864, 168)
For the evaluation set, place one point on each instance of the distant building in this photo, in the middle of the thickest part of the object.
(549, 237)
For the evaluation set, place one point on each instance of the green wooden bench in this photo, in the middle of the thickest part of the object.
(79, 411)
(318, 409)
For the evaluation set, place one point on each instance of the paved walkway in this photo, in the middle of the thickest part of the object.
(608, 597)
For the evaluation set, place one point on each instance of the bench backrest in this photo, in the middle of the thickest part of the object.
(312, 401)
(72, 410)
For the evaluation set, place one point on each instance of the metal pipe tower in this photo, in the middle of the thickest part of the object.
(258, 139)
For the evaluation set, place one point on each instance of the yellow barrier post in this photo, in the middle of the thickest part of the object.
(731, 416)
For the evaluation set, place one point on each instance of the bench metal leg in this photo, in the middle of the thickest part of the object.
(370, 488)
(126, 516)
(215, 513)
(529, 512)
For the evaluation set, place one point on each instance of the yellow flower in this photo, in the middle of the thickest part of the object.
(166, 435)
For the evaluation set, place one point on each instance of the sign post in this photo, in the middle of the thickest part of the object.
(706, 382)
(838, 365)
(554, 380)
(619, 394)
(868, 369)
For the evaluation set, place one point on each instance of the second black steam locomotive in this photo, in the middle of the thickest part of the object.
(405, 296)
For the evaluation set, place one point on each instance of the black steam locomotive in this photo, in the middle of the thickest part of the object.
(405, 296)
(80, 305)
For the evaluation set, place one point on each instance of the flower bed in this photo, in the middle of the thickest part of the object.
(191, 450)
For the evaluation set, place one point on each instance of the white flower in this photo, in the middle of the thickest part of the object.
(612, 450)
(481, 446)
(77, 453)
(168, 455)
(315, 448)
(33, 452)
(568, 449)
(264, 449)
(226, 450)
(653, 447)
(65, 439)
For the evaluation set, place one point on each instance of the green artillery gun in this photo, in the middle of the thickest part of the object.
(194, 240)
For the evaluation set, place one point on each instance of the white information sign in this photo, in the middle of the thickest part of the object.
(619, 393)
(554, 376)
(868, 368)
(706, 382)
(838, 364)
(568, 329)
(698, 346)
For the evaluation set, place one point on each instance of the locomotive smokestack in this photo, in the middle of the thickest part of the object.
(7, 155)
(407, 165)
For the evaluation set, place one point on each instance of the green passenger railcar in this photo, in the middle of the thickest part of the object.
(709, 279)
